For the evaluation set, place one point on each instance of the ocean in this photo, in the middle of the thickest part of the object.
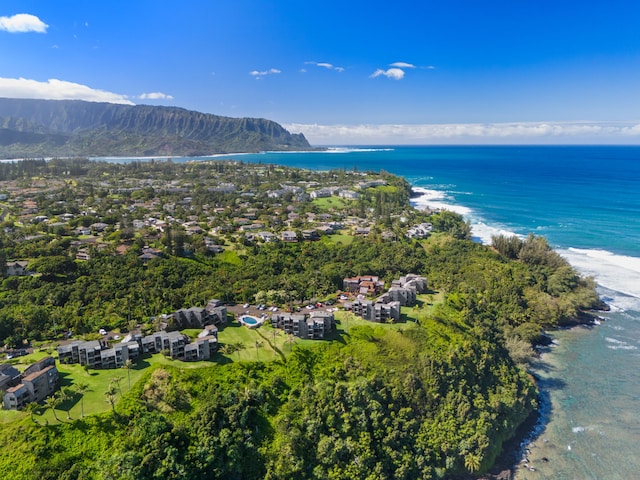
(586, 201)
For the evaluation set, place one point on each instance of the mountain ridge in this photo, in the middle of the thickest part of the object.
(34, 127)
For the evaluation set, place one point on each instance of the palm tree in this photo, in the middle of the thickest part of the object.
(472, 462)
(111, 397)
(81, 389)
(31, 408)
(259, 344)
(116, 382)
(290, 340)
(237, 346)
(52, 403)
(128, 364)
(64, 395)
(226, 350)
(275, 333)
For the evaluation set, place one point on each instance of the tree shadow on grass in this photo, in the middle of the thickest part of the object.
(64, 379)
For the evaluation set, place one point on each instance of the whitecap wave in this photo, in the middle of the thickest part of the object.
(437, 200)
(622, 347)
(615, 340)
(618, 274)
(482, 232)
(354, 150)
(616, 344)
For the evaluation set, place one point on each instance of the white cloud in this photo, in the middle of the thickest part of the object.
(402, 65)
(471, 133)
(156, 96)
(54, 89)
(395, 73)
(328, 66)
(22, 23)
(260, 74)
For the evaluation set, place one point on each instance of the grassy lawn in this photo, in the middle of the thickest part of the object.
(344, 239)
(425, 304)
(229, 256)
(386, 188)
(273, 343)
(328, 203)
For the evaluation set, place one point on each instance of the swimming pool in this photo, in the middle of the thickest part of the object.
(251, 321)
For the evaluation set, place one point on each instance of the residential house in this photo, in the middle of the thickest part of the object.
(39, 365)
(172, 342)
(422, 230)
(17, 268)
(193, 230)
(268, 237)
(83, 255)
(84, 353)
(98, 227)
(117, 356)
(350, 194)
(310, 235)
(325, 230)
(411, 280)
(41, 384)
(214, 313)
(314, 327)
(203, 348)
(387, 306)
(405, 290)
(321, 193)
(9, 376)
(363, 284)
(372, 183)
(252, 227)
(16, 397)
(288, 236)
(374, 311)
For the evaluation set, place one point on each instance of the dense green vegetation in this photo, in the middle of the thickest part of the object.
(34, 128)
(435, 396)
(423, 402)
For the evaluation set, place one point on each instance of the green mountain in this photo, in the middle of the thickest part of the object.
(46, 128)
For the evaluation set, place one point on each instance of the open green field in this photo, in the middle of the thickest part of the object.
(329, 203)
(344, 239)
(385, 188)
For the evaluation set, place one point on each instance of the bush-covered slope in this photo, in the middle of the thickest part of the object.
(430, 401)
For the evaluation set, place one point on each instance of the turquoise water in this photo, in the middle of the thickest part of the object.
(586, 201)
(249, 320)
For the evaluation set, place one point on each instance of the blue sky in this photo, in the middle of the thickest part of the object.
(345, 72)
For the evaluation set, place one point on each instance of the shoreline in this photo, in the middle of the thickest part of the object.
(514, 457)
(515, 452)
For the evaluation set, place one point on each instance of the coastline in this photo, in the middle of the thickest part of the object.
(514, 459)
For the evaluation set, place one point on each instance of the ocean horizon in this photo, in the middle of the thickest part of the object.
(585, 201)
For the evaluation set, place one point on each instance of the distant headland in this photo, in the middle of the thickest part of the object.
(66, 128)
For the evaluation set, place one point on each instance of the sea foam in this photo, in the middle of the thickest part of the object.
(437, 199)
(619, 274)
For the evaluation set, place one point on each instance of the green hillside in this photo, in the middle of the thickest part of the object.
(45, 128)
